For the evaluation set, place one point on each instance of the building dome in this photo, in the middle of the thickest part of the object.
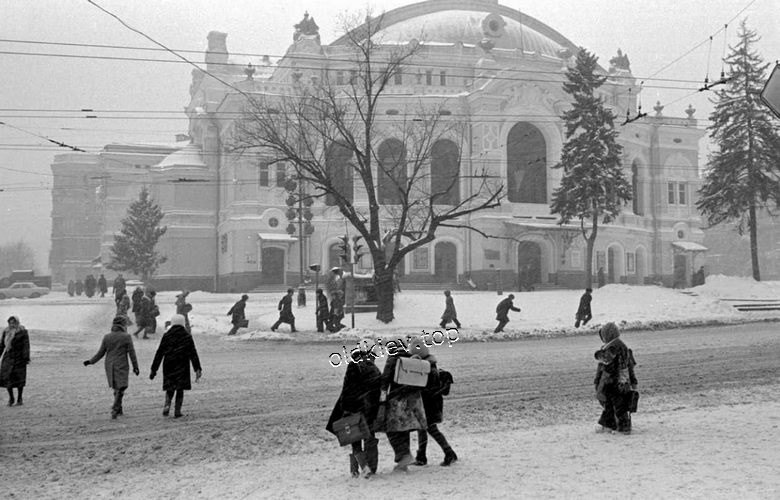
(469, 22)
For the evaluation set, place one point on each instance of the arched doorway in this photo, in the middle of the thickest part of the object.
(445, 261)
(273, 266)
(529, 263)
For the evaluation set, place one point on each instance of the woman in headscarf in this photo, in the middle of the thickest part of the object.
(614, 380)
(14, 358)
(176, 352)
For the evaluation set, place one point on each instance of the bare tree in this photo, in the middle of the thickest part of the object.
(340, 140)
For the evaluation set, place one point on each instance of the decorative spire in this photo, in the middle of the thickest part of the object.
(690, 111)
(658, 108)
(249, 71)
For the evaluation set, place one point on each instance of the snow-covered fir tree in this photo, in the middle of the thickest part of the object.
(134, 245)
(593, 187)
(743, 173)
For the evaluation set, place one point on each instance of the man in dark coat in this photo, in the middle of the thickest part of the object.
(285, 312)
(14, 358)
(322, 313)
(90, 284)
(102, 285)
(502, 312)
(117, 346)
(450, 314)
(360, 394)
(176, 352)
(138, 295)
(237, 311)
(119, 286)
(583, 311)
(336, 311)
(143, 317)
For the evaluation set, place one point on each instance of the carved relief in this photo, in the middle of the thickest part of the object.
(528, 96)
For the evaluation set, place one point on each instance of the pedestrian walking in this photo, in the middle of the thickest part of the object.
(90, 285)
(336, 311)
(433, 402)
(119, 286)
(614, 381)
(14, 358)
(285, 312)
(143, 317)
(176, 352)
(184, 308)
(137, 298)
(102, 285)
(502, 312)
(360, 394)
(117, 347)
(122, 306)
(404, 412)
(79, 287)
(322, 313)
(237, 312)
(450, 314)
(583, 311)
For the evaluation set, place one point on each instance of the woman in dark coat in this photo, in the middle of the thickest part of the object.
(176, 352)
(404, 411)
(583, 311)
(433, 402)
(14, 358)
(614, 380)
(285, 312)
(450, 314)
(360, 394)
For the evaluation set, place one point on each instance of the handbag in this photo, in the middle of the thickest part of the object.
(351, 428)
(633, 401)
(410, 371)
(244, 323)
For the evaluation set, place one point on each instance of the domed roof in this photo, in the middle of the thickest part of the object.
(469, 22)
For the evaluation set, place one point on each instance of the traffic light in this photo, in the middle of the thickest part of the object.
(357, 249)
(344, 247)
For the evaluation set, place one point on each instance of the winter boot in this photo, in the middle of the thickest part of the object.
(353, 466)
(372, 454)
(449, 458)
(167, 407)
(420, 459)
(177, 404)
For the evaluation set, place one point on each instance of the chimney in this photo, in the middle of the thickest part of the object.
(217, 53)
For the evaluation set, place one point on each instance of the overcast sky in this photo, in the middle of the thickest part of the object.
(50, 89)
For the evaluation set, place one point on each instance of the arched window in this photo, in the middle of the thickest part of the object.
(337, 162)
(635, 190)
(391, 171)
(526, 165)
(445, 173)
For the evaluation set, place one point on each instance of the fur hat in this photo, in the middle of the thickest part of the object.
(177, 319)
(609, 332)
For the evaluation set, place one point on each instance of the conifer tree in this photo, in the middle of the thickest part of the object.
(594, 187)
(743, 173)
(133, 248)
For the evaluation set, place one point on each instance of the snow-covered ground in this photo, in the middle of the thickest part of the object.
(543, 312)
(717, 443)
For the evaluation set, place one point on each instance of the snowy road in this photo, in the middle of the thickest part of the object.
(259, 400)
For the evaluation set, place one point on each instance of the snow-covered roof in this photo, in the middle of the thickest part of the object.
(277, 237)
(188, 156)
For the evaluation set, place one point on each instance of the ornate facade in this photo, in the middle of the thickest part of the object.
(499, 71)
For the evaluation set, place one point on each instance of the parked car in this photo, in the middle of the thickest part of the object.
(23, 290)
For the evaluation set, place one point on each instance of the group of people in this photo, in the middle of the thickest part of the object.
(89, 287)
(175, 352)
(393, 408)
